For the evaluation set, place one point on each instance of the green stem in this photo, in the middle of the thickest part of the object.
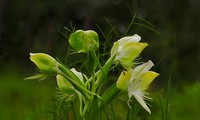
(81, 105)
(108, 96)
(78, 85)
(94, 57)
(85, 108)
(102, 75)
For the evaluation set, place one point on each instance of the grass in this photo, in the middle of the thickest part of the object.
(180, 104)
(24, 100)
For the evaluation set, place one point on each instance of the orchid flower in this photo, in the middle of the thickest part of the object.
(136, 81)
(127, 49)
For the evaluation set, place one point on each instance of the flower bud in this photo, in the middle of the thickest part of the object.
(84, 41)
(127, 49)
(64, 85)
(44, 62)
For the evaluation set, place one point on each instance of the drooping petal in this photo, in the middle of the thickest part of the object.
(140, 99)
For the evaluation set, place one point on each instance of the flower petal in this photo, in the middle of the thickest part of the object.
(140, 99)
(78, 74)
(141, 69)
(123, 80)
(147, 78)
(134, 38)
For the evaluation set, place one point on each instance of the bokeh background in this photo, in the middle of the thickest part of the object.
(38, 26)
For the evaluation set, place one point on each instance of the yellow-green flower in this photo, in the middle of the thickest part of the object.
(84, 41)
(136, 81)
(44, 62)
(127, 49)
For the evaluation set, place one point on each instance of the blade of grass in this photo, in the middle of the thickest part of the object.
(128, 28)
(161, 108)
(112, 27)
(136, 23)
(168, 100)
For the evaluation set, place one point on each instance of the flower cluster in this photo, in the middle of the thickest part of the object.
(133, 79)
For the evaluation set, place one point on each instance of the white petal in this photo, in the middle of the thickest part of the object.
(128, 39)
(135, 38)
(78, 74)
(139, 98)
(141, 69)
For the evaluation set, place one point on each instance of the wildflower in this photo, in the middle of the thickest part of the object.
(84, 41)
(44, 62)
(127, 49)
(136, 81)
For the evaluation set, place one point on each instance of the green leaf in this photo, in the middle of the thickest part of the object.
(93, 113)
(38, 76)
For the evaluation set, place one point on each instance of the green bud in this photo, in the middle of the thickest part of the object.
(44, 62)
(64, 85)
(84, 41)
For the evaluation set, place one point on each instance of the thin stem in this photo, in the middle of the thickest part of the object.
(81, 105)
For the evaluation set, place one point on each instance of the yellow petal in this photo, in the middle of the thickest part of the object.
(123, 80)
(147, 78)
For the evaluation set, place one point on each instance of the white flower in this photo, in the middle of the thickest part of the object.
(136, 81)
(127, 49)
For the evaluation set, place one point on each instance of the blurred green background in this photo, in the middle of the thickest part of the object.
(37, 26)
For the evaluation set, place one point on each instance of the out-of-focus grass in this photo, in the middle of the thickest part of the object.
(24, 100)
(183, 103)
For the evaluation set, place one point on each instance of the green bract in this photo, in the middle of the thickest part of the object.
(136, 81)
(127, 49)
(45, 63)
(84, 41)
